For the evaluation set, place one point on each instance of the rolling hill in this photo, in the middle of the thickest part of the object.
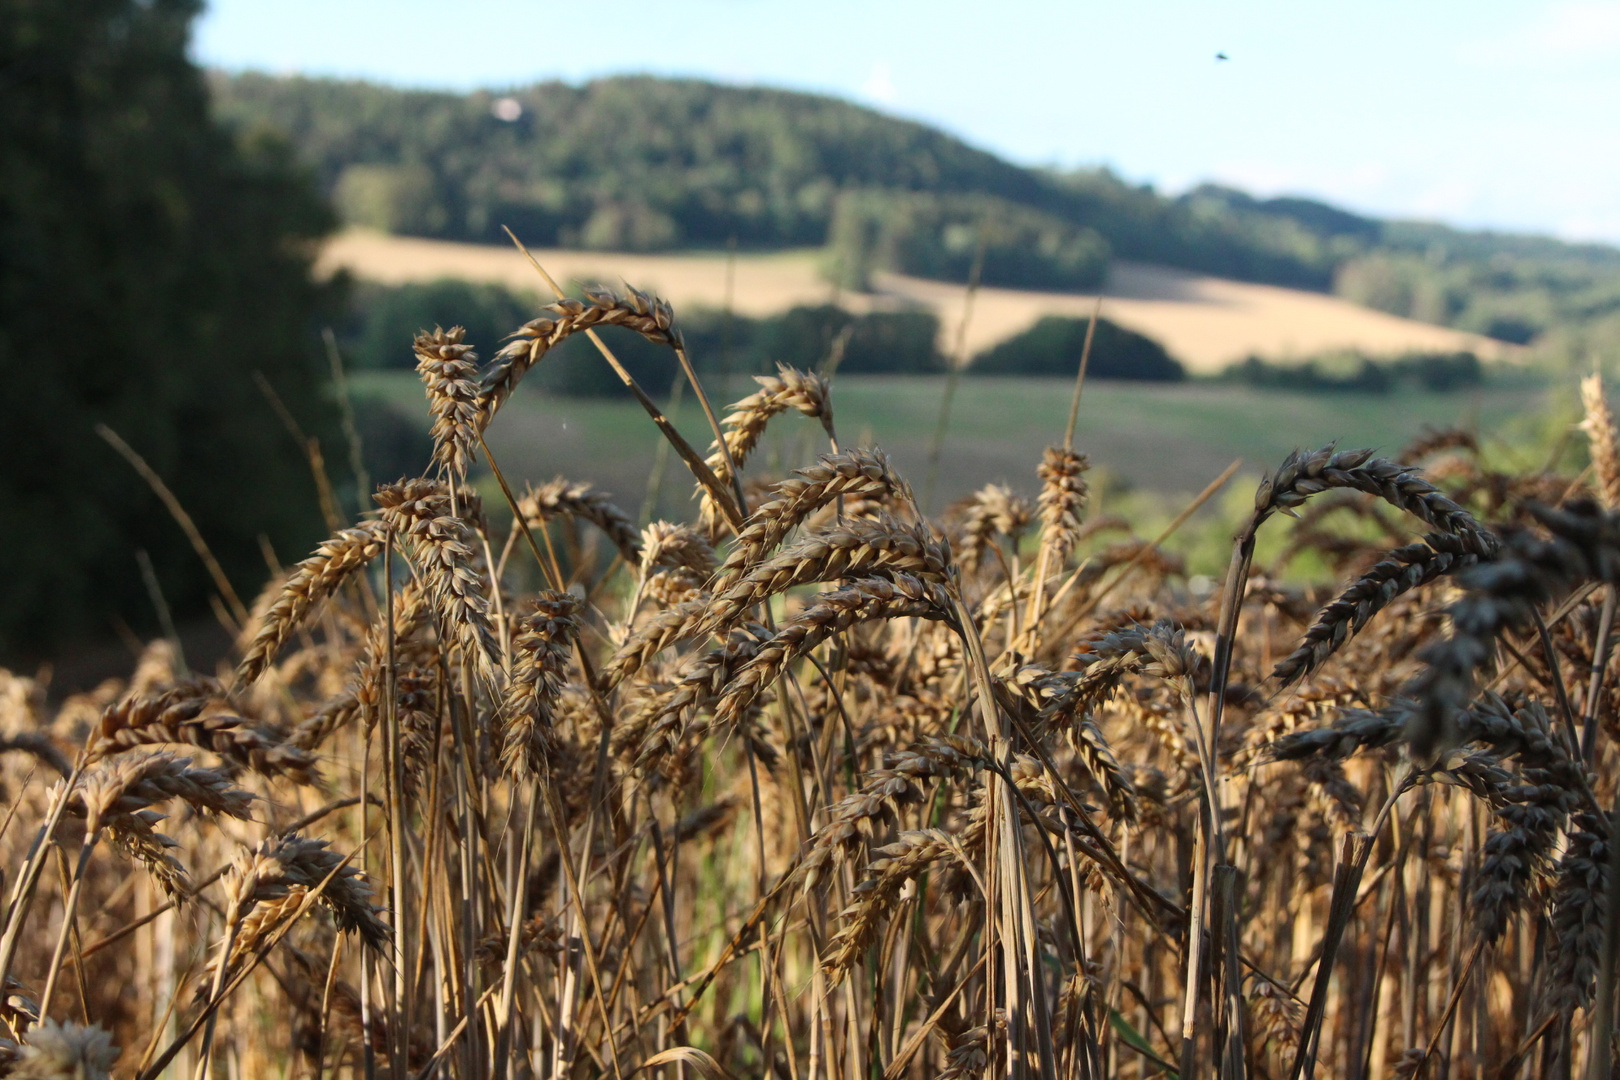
(647, 164)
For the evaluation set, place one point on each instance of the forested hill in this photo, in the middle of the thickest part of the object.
(647, 163)
(697, 163)
(641, 163)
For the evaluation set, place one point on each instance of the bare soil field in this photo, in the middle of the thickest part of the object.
(1205, 322)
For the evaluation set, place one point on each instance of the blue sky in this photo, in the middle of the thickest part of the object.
(1489, 113)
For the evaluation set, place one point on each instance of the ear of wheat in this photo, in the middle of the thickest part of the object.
(841, 791)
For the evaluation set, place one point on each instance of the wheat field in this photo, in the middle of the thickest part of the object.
(814, 785)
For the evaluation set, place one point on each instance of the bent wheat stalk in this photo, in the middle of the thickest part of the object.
(644, 309)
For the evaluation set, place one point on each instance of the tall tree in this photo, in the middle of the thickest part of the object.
(150, 264)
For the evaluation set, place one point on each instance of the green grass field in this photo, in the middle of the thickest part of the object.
(1151, 446)
(1168, 439)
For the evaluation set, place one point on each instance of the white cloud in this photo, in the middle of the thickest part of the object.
(879, 84)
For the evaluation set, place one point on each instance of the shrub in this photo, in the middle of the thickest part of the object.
(392, 438)
(881, 342)
(1053, 346)
(1352, 372)
(386, 317)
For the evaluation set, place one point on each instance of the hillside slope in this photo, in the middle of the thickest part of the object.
(644, 163)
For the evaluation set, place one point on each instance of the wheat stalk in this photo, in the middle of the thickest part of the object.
(178, 715)
(274, 867)
(311, 581)
(890, 781)
(898, 597)
(647, 315)
(1302, 475)
(662, 631)
(542, 646)
(849, 474)
(1583, 545)
(1598, 424)
(447, 366)
(420, 513)
(1399, 571)
(858, 548)
(578, 500)
(789, 388)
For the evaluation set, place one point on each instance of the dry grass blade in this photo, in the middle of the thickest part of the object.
(705, 1065)
(226, 591)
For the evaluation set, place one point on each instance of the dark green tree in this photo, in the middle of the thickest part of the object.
(386, 318)
(1054, 344)
(150, 264)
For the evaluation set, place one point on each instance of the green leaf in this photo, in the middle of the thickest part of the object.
(1135, 1041)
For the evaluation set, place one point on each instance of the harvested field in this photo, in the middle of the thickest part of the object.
(1205, 322)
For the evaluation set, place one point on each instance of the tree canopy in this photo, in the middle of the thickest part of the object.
(1054, 345)
(151, 265)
